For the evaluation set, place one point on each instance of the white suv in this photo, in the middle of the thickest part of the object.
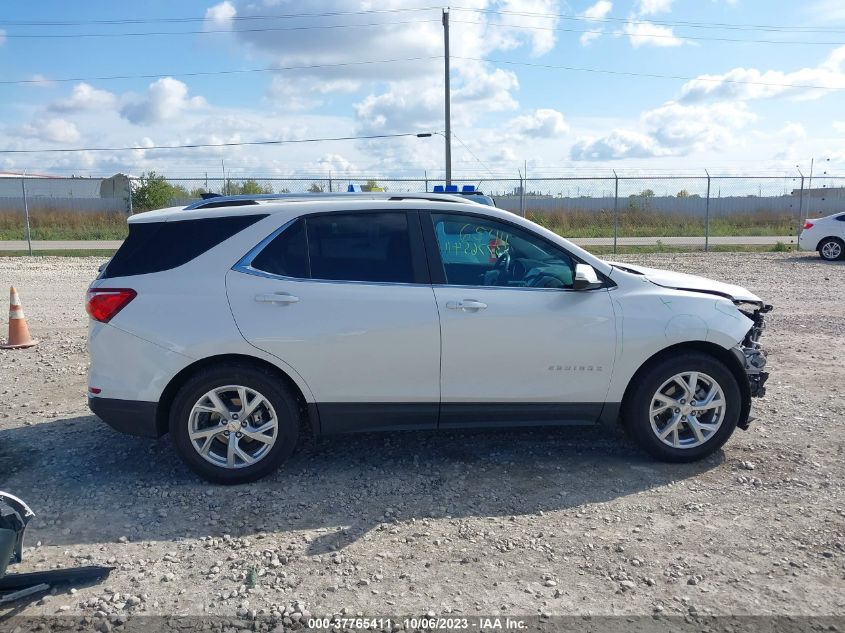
(238, 324)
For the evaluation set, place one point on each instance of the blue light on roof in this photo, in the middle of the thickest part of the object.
(354, 189)
(468, 188)
(451, 188)
(438, 189)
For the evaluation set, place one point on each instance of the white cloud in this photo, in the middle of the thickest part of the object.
(85, 97)
(488, 90)
(336, 165)
(589, 36)
(54, 130)
(687, 127)
(650, 7)
(672, 129)
(221, 14)
(542, 123)
(733, 84)
(650, 34)
(792, 132)
(598, 11)
(166, 99)
(404, 92)
(832, 11)
(616, 145)
(404, 107)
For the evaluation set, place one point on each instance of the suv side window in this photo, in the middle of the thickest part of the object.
(478, 251)
(360, 247)
(286, 254)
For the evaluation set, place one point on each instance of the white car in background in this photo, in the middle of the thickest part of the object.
(237, 324)
(825, 235)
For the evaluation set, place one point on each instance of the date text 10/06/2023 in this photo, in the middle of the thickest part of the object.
(416, 623)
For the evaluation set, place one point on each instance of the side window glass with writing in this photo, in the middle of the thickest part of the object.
(477, 251)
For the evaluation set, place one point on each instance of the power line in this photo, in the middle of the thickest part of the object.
(562, 16)
(272, 69)
(281, 16)
(703, 25)
(649, 75)
(205, 145)
(209, 31)
(650, 35)
(480, 162)
(267, 69)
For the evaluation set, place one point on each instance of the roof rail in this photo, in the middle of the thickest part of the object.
(246, 199)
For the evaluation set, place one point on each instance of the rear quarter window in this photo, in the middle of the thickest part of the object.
(157, 246)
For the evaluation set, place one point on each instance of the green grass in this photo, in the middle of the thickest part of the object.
(633, 222)
(102, 253)
(603, 251)
(63, 225)
(641, 223)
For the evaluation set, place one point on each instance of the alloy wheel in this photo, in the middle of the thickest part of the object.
(687, 410)
(832, 250)
(233, 426)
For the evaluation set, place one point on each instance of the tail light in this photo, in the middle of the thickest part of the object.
(808, 225)
(104, 303)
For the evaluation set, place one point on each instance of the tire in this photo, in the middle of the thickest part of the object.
(831, 249)
(194, 412)
(687, 444)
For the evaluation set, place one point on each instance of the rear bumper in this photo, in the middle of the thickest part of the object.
(134, 417)
(807, 241)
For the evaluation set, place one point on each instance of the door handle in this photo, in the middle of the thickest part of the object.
(279, 298)
(467, 305)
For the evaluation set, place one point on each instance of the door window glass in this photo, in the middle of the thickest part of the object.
(478, 251)
(286, 254)
(360, 247)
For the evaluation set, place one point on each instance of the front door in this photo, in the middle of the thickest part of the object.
(344, 299)
(519, 346)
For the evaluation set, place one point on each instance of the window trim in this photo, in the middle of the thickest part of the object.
(438, 271)
(419, 268)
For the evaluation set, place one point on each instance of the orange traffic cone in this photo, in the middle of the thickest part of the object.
(18, 331)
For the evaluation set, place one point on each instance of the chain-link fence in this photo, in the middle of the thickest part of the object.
(604, 214)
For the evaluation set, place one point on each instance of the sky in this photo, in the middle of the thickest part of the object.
(554, 87)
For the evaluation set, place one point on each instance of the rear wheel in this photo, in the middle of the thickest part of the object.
(234, 424)
(683, 407)
(831, 249)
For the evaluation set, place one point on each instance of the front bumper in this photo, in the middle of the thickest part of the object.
(134, 417)
(752, 357)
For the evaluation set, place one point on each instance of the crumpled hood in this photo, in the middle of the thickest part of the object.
(682, 281)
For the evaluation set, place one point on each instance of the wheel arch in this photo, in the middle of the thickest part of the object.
(309, 410)
(725, 356)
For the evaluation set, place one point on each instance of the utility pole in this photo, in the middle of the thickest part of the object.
(448, 97)
(26, 213)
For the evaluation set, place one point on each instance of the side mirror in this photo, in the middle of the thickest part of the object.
(585, 278)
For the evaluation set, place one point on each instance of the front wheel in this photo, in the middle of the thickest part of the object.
(831, 249)
(683, 407)
(234, 424)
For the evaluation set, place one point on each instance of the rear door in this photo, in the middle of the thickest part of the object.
(345, 299)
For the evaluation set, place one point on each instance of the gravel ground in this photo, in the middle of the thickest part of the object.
(503, 523)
